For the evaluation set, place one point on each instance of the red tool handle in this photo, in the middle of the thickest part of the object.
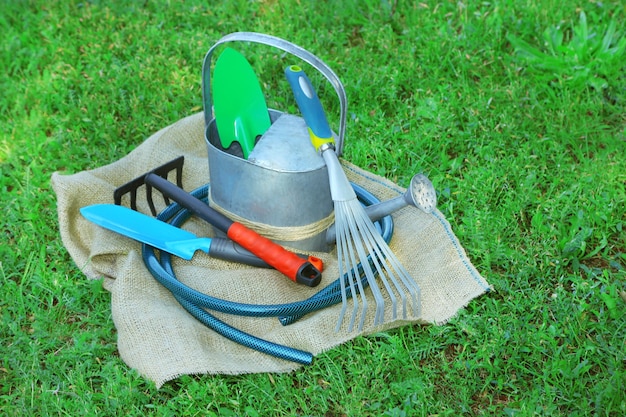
(297, 269)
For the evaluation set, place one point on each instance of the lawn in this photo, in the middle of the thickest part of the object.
(515, 110)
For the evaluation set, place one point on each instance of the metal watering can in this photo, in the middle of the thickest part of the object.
(292, 204)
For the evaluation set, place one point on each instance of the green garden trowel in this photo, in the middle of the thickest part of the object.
(240, 109)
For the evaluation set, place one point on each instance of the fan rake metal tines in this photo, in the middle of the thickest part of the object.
(358, 242)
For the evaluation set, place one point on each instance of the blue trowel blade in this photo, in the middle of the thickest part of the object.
(146, 229)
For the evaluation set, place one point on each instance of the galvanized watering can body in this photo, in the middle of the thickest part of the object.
(292, 206)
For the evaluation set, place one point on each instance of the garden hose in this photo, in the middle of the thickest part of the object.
(196, 302)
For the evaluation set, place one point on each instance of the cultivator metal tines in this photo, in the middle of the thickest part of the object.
(163, 171)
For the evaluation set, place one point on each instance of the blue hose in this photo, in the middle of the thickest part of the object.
(196, 302)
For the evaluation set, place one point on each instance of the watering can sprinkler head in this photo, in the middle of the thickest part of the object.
(421, 194)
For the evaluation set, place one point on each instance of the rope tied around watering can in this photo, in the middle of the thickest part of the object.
(281, 233)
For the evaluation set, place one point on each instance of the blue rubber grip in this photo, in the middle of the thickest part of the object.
(308, 102)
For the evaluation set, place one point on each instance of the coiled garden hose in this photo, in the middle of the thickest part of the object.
(196, 302)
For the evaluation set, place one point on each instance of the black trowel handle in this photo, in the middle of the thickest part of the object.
(230, 251)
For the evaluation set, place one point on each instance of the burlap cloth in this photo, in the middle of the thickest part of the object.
(161, 340)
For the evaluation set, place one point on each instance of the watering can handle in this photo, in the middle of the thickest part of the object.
(286, 46)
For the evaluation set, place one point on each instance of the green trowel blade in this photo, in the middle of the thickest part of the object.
(239, 105)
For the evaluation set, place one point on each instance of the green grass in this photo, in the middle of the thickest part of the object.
(515, 110)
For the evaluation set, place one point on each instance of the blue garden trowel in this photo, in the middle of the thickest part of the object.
(164, 236)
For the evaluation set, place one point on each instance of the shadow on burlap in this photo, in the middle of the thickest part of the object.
(162, 341)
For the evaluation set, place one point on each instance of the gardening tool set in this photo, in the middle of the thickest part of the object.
(278, 194)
